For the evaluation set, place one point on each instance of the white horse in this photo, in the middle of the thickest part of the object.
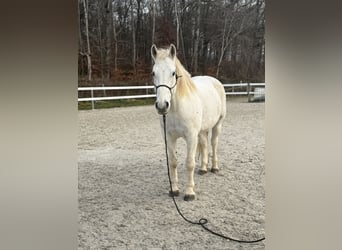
(193, 107)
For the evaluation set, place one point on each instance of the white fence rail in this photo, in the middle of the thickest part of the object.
(232, 91)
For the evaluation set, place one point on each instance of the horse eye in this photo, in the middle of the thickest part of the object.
(152, 73)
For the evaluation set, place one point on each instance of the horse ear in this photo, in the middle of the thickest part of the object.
(154, 51)
(172, 51)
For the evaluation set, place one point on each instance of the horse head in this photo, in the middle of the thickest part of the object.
(164, 76)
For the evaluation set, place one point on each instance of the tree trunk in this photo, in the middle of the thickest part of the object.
(181, 23)
(134, 53)
(177, 22)
(138, 30)
(183, 48)
(80, 48)
(115, 37)
(223, 46)
(153, 20)
(109, 28)
(88, 53)
(227, 37)
(99, 36)
(197, 38)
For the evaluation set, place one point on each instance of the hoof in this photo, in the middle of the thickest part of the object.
(174, 193)
(189, 197)
(202, 172)
(214, 170)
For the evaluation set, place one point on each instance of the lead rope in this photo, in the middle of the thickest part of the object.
(202, 221)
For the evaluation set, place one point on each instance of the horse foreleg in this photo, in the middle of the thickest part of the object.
(171, 147)
(190, 164)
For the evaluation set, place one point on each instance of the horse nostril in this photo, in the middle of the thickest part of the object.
(167, 104)
(156, 104)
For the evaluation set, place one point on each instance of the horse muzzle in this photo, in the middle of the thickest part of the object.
(162, 107)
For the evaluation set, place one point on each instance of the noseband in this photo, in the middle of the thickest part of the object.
(163, 85)
(168, 87)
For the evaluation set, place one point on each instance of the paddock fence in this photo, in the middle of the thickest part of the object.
(253, 91)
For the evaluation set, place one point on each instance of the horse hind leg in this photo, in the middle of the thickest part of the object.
(214, 141)
(203, 150)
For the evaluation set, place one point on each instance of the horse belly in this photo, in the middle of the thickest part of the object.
(210, 100)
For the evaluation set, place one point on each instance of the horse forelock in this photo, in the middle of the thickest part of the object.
(162, 54)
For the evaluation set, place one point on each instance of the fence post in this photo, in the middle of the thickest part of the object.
(92, 101)
(104, 91)
(248, 91)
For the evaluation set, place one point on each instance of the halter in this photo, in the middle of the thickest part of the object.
(169, 88)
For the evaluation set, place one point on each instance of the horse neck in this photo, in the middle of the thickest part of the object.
(184, 79)
(185, 87)
(183, 93)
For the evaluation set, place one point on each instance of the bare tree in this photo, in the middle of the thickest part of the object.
(177, 22)
(109, 38)
(197, 36)
(153, 20)
(115, 38)
(229, 34)
(134, 46)
(99, 36)
(223, 38)
(80, 40)
(88, 53)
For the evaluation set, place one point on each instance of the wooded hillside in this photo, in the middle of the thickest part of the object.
(223, 38)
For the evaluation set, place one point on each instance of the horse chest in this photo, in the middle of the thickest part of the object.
(180, 126)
